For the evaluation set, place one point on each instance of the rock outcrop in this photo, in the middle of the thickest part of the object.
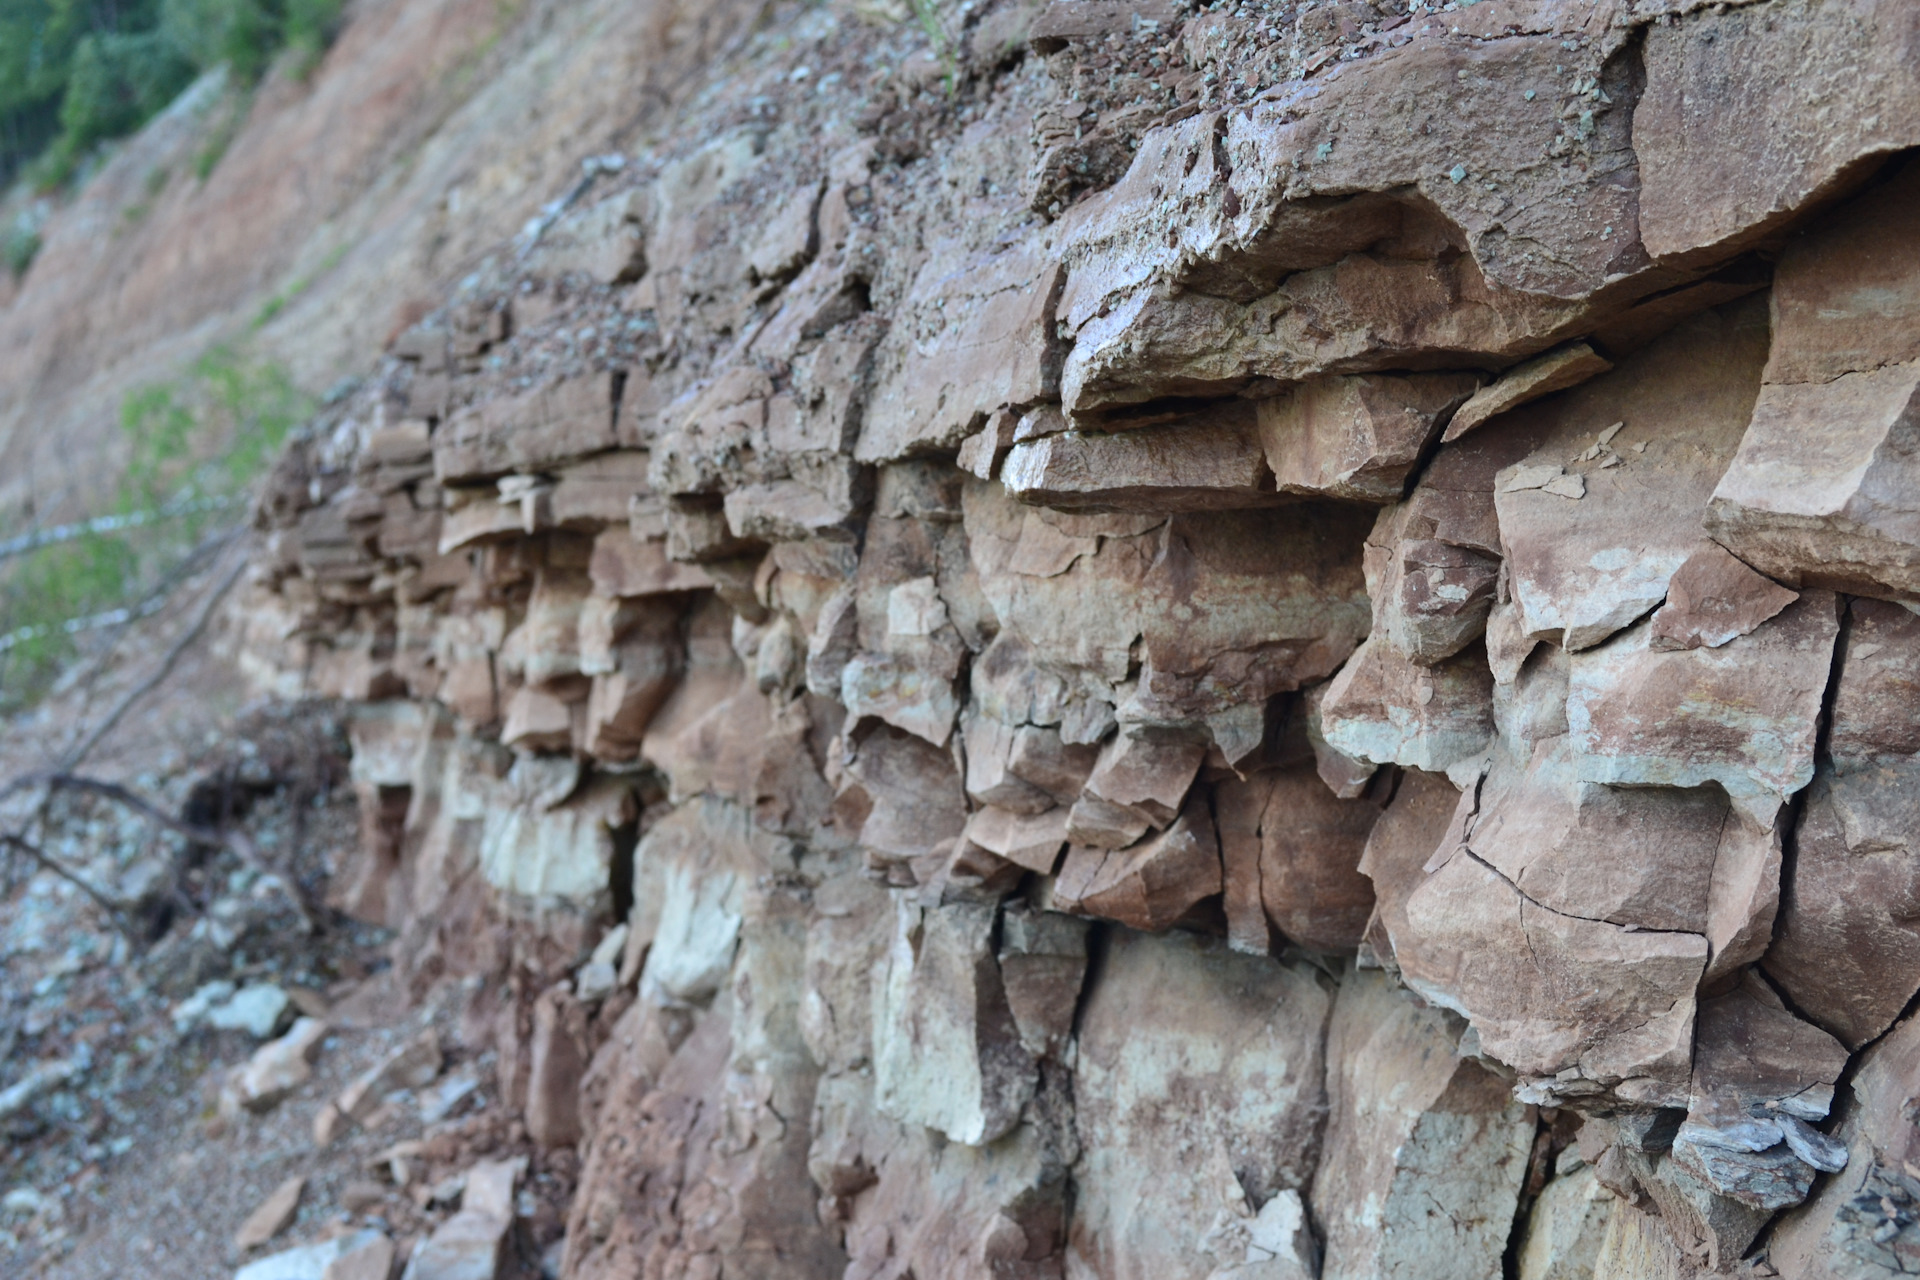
(1236, 643)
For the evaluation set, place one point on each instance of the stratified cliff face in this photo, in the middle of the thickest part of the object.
(1256, 642)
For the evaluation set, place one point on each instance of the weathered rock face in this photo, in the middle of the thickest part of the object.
(1238, 684)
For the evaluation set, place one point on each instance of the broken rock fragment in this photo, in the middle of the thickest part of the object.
(947, 1051)
(1820, 493)
(1384, 708)
(1208, 464)
(1762, 1079)
(1150, 885)
(1543, 375)
(1848, 950)
(1713, 598)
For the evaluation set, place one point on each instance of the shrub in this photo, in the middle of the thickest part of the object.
(76, 72)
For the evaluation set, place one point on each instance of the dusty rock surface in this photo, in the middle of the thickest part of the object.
(1101, 639)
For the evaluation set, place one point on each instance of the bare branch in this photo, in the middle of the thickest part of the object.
(236, 842)
(116, 911)
(160, 673)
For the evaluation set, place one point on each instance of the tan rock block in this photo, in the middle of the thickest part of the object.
(1181, 1016)
(1100, 824)
(1033, 841)
(1357, 436)
(1425, 1152)
(624, 565)
(1713, 598)
(990, 781)
(991, 343)
(1193, 591)
(910, 793)
(1272, 242)
(1820, 492)
(1383, 708)
(1581, 570)
(1848, 950)
(1147, 770)
(537, 721)
(1550, 993)
(947, 1052)
(529, 431)
(1418, 822)
(556, 1066)
(1039, 755)
(1743, 715)
(1043, 960)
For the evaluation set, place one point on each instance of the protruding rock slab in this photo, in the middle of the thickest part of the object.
(1563, 367)
(1291, 849)
(1804, 96)
(1305, 236)
(1713, 598)
(1211, 463)
(1848, 950)
(1424, 1153)
(1386, 709)
(1238, 1039)
(1550, 993)
(1227, 608)
(1761, 1079)
(1822, 490)
(1150, 885)
(1357, 437)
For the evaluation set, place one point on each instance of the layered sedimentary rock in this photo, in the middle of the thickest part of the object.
(1254, 682)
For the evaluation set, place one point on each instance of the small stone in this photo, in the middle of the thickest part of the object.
(371, 1259)
(272, 1216)
(276, 1069)
(258, 1010)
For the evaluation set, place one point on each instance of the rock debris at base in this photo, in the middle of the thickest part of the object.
(1154, 642)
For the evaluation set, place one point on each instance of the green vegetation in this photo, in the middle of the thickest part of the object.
(19, 246)
(76, 72)
(191, 444)
(927, 13)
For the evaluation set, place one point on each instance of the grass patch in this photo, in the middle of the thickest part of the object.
(205, 436)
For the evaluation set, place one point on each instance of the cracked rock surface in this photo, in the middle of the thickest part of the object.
(1223, 641)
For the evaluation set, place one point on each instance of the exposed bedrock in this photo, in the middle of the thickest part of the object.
(1338, 698)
